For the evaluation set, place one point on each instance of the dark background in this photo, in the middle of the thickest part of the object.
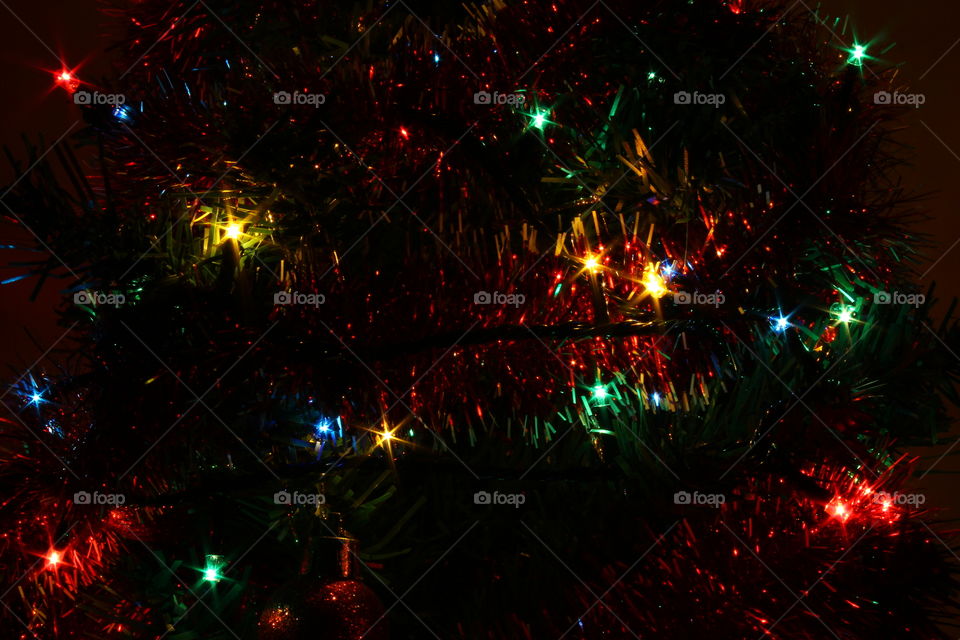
(36, 36)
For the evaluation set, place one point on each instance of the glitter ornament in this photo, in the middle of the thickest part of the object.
(323, 605)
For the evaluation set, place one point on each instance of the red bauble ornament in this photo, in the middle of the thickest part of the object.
(338, 607)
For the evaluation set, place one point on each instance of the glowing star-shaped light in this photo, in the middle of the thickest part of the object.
(599, 392)
(67, 80)
(211, 573)
(539, 120)
(653, 282)
(841, 511)
(845, 316)
(386, 436)
(54, 558)
(592, 264)
(234, 231)
(857, 54)
(780, 324)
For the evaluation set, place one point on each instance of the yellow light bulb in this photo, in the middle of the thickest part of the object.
(234, 231)
(592, 264)
(654, 283)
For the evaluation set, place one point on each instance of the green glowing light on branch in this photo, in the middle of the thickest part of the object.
(857, 54)
(211, 573)
(540, 120)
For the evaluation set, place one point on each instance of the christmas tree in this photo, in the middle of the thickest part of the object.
(507, 320)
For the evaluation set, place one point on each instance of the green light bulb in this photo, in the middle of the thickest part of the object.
(857, 54)
(211, 573)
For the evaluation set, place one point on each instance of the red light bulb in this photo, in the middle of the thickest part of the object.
(67, 80)
(53, 559)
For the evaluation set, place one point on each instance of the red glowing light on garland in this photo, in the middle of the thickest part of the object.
(53, 559)
(840, 510)
(66, 79)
